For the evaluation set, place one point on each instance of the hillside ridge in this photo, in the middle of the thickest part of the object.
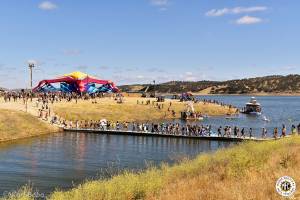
(265, 84)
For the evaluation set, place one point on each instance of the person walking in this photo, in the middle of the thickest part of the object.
(243, 132)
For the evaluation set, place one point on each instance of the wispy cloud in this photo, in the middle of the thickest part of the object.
(289, 68)
(47, 5)
(191, 76)
(247, 20)
(235, 10)
(140, 76)
(161, 4)
(155, 69)
(103, 67)
(72, 52)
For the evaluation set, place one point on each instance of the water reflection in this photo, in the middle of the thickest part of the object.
(61, 160)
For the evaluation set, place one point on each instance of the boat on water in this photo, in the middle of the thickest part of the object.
(252, 107)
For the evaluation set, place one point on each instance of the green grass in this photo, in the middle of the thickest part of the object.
(246, 171)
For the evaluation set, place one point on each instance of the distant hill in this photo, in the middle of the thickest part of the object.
(266, 84)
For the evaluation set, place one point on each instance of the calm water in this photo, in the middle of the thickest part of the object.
(64, 159)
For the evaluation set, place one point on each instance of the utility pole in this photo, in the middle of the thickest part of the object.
(154, 88)
(31, 66)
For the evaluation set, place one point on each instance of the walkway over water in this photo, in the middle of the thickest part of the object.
(160, 134)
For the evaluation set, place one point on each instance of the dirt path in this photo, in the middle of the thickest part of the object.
(20, 106)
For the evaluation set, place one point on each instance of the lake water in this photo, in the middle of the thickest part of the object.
(279, 110)
(64, 159)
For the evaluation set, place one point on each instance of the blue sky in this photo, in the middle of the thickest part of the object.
(136, 41)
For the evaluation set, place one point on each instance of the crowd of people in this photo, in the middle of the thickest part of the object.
(50, 97)
(169, 128)
(44, 112)
(16, 96)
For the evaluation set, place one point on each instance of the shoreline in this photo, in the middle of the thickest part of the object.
(17, 124)
(19, 139)
(227, 169)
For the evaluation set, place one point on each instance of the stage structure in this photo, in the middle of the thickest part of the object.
(76, 82)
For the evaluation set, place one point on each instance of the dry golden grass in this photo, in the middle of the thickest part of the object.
(18, 124)
(247, 171)
(129, 110)
(254, 180)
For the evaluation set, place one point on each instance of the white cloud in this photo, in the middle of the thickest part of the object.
(235, 10)
(47, 5)
(246, 20)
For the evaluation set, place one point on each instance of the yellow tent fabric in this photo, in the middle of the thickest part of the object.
(77, 75)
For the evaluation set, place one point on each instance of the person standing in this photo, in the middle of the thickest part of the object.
(283, 131)
(238, 132)
(294, 131)
(264, 133)
(220, 131)
(235, 131)
(275, 133)
(250, 132)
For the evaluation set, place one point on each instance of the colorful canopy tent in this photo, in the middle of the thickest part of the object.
(76, 82)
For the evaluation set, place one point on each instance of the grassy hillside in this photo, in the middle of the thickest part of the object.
(246, 171)
(267, 84)
(17, 124)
